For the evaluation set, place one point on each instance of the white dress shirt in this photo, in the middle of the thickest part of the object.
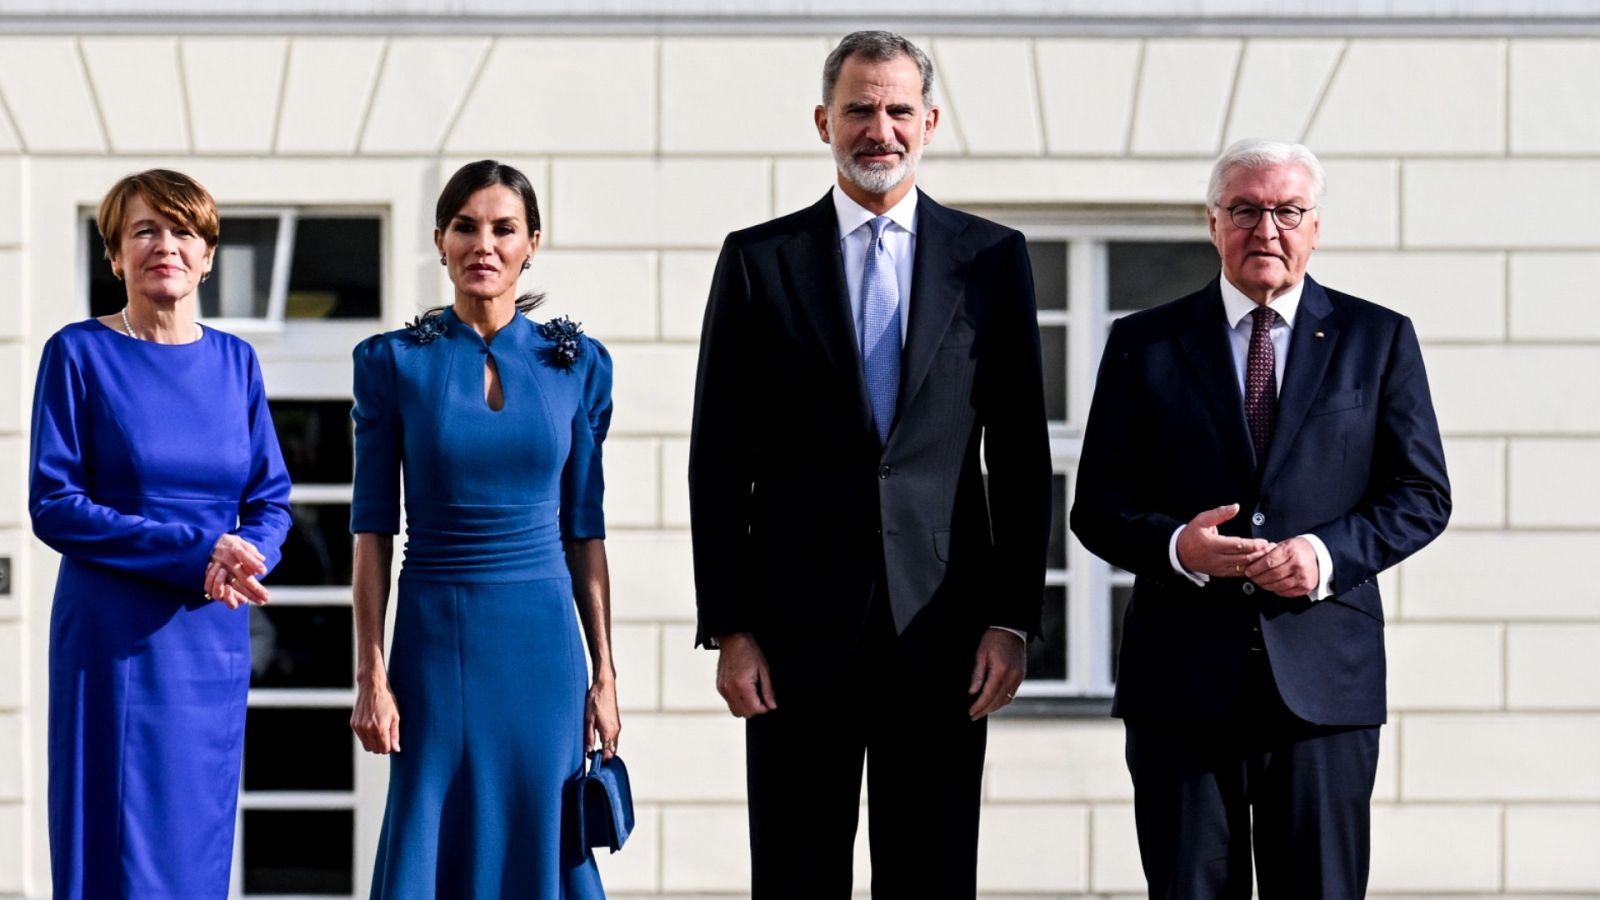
(1238, 308)
(899, 241)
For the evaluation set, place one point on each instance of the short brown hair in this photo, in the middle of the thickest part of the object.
(172, 194)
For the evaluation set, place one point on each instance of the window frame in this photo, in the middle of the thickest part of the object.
(282, 261)
(288, 216)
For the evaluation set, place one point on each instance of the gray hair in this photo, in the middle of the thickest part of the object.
(1254, 153)
(875, 46)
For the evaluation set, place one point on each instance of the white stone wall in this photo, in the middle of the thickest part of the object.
(1464, 184)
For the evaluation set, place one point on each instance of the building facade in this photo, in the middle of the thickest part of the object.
(1463, 159)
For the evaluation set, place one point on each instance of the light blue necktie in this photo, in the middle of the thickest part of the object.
(880, 330)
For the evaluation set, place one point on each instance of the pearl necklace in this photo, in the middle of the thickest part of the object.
(127, 327)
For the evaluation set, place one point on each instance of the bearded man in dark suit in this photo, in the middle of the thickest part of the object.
(869, 590)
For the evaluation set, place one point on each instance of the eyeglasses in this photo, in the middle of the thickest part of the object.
(1287, 217)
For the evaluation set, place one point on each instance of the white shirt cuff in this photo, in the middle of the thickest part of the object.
(1324, 568)
(1172, 557)
(1019, 634)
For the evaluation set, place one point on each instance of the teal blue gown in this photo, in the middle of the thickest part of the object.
(487, 663)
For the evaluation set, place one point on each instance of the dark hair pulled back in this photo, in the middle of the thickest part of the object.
(474, 177)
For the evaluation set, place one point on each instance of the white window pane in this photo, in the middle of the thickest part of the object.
(335, 269)
(298, 749)
(1047, 657)
(1120, 598)
(1053, 342)
(1149, 273)
(1049, 259)
(302, 647)
(240, 285)
(299, 851)
(1057, 556)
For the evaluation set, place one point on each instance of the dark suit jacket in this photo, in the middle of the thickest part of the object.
(796, 508)
(1355, 459)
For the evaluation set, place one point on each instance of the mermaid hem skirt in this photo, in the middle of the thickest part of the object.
(490, 680)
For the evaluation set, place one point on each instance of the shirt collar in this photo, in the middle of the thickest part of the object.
(1238, 306)
(853, 215)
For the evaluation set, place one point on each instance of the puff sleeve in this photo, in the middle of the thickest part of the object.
(582, 480)
(375, 502)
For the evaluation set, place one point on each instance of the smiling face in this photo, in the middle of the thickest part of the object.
(486, 243)
(1266, 261)
(877, 125)
(160, 260)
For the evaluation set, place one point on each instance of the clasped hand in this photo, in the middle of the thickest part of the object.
(1286, 568)
(231, 574)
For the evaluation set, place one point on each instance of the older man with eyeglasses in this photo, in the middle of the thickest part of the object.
(1256, 453)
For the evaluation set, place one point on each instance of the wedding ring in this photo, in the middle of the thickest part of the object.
(1238, 570)
(608, 745)
(1011, 696)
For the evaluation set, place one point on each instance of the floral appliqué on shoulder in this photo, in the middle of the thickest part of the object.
(565, 333)
(426, 328)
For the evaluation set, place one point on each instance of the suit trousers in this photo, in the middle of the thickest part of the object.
(1205, 792)
(924, 765)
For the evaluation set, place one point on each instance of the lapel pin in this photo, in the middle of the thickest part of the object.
(1319, 335)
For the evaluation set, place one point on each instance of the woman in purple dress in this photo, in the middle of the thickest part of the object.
(156, 474)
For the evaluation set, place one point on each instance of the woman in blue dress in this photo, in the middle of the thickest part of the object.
(484, 703)
(156, 474)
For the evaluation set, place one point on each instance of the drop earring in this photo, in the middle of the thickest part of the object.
(441, 260)
(527, 264)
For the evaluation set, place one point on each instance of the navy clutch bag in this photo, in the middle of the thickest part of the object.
(605, 803)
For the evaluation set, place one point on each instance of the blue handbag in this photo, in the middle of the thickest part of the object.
(605, 803)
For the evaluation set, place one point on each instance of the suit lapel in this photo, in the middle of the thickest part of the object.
(937, 286)
(813, 270)
(1311, 344)
(1205, 342)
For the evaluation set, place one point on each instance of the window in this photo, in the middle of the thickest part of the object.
(272, 266)
(1086, 275)
(298, 797)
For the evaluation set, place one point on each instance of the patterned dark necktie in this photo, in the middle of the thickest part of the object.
(1260, 382)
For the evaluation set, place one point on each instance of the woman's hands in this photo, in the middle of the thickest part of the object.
(376, 718)
(231, 574)
(601, 722)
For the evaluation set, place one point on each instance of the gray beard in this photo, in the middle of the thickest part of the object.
(874, 179)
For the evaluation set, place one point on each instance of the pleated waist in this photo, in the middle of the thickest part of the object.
(483, 544)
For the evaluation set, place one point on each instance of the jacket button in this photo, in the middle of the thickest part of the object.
(883, 471)
(1248, 587)
(1258, 519)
